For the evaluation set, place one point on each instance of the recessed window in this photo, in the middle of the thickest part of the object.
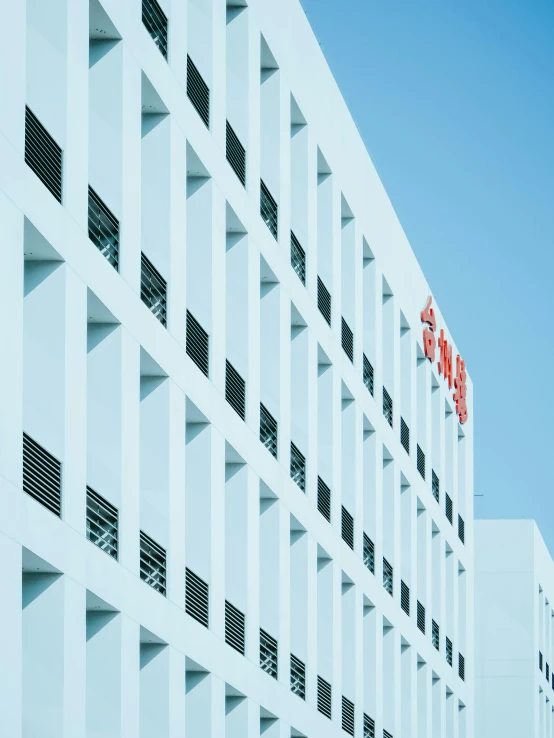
(369, 727)
(102, 523)
(404, 435)
(435, 635)
(43, 155)
(297, 467)
(388, 577)
(347, 715)
(324, 300)
(435, 486)
(369, 553)
(297, 677)
(103, 228)
(347, 528)
(387, 407)
(405, 597)
(268, 209)
(153, 290)
(234, 627)
(268, 430)
(268, 653)
(420, 461)
(197, 597)
(347, 340)
(198, 344)
(420, 616)
(297, 258)
(42, 475)
(236, 154)
(198, 92)
(368, 376)
(324, 499)
(155, 22)
(235, 390)
(324, 697)
(153, 563)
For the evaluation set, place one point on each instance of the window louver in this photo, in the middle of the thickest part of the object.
(297, 258)
(198, 92)
(234, 627)
(42, 476)
(540, 660)
(386, 734)
(347, 528)
(420, 616)
(324, 300)
(297, 467)
(236, 154)
(198, 344)
(155, 22)
(152, 563)
(369, 553)
(197, 598)
(268, 210)
(324, 697)
(235, 390)
(547, 672)
(297, 677)
(461, 667)
(347, 715)
(268, 653)
(153, 289)
(369, 727)
(405, 597)
(43, 155)
(552, 678)
(420, 461)
(388, 577)
(268, 430)
(102, 523)
(461, 529)
(347, 338)
(368, 375)
(448, 507)
(449, 651)
(324, 499)
(435, 635)
(387, 407)
(404, 435)
(435, 486)
(103, 228)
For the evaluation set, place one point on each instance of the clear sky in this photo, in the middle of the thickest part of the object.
(455, 102)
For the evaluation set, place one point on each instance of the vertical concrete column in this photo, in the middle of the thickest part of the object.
(285, 378)
(253, 389)
(217, 348)
(379, 696)
(253, 720)
(284, 596)
(74, 672)
(217, 533)
(12, 74)
(284, 165)
(359, 661)
(178, 40)
(217, 708)
(219, 72)
(11, 627)
(311, 450)
(336, 682)
(176, 564)
(336, 257)
(177, 690)
(253, 568)
(177, 302)
(311, 244)
(130, 682)
(336, 423)
(311, 647)
(253, 153)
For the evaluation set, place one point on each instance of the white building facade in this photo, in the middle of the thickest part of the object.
(514, 634)
(236, 485)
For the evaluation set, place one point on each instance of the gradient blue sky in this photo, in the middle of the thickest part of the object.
(455, 102)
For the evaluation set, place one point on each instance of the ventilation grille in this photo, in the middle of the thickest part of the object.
(268, 209)
(324, 499)
(197, 598)
(552, 678)
(461, 667)
(42, 476)
(405, 597)
(461, 529)
(153, 289)
(448, 507)
(268, 430)
(420, 616)
(152, 563)
(101, 523)
(388, 577)
(368, 375)
(155, 21)
(369, 553)
(236, 154)
(198, 344)
(324, 697)
(420, 461)
(324, 300)
(103, 228)
(347, 715)
(347, 340)
(386, 734)
(268, 653)
(435, 486)
(404, 435)
(435, 635)
(234, 627)
(297, 258)
(369, 727)
(198, 92)
(387, 406)
(449, 651)
(547, 672)
(43, 155)
(297, 467)
(235, 390)
(540, 660)
(347, 528)
(297, 677)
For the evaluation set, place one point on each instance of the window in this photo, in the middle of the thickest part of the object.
(268, 653)
(197, 598)
(103, 228)
(347, 528)
(405, 597)
(235, 390)
(198, 344)
(297, 677)
(268, 430)
(297, 467)
(540, 660)
(435, 486)
(448, 507)
(449, 651)
(369, 553)
(369, 727)
(155, 22)
(420, 461)
(461, 667)
(420, 616)
(234, 627)
(153, 289)
(152, 563)
(324, 499)
(388, 579)
(347, 715)
(461, 529)
(43, 155)
(368, 375)
(404, 435)
(236, 154)
(547, 672)
(268, 210)
(297, 258)
(324, 697)
(435, 635)
(323, 300)
(198, 92)
(42, 476)
(102, 519)
(347, 340)
(387, 406)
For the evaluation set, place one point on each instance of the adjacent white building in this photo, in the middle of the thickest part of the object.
(236, 487)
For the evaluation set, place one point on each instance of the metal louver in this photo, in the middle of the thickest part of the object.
(405, 597)
(368, 375)
(324, 499)
(43, 155)
(324, 697)
(269, 210)
(236, 154)
(268, 653)
(102, 523)
(235, 390)
(387, 407)
(461, 529)
(198, 92)
(448, 507)
(198, 344)
(347, 340)
(369, 727)
(552, 678)
(234, 627)
(152, 563)
(404, 435)
(297, 677)
(540, 660)
(155, 22)
(268, 430)
(347, 527)
(324, 300)
(103, 228)
(435, 635)
(386, 734)
(420, 461)
(369, 553)
(297, 258)
(435, 486)
(449, 651)
(461, 667)
(42, 475)
(547, 672)
(153, 289)
(388, 577)
(347, 715)
(197, 598)
(420, 616)
(297, 467)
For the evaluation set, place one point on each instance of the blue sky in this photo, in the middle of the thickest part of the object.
(455, 102)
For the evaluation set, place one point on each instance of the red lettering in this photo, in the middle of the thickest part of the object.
(428, 314)
(461, 389)
(445, 359)
(429, 343)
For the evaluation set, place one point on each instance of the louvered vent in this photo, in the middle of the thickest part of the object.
(324, 499)
(540, 660)
(386, 734)
(324, 697)
(368, 375)
(234, 627)
(152, 563)
(297, 677)
(420, 461)
(369, 553)
(552, 678)
(42, 476)
(236, 154)
(324, 300)
(297, 258)
(155, 21)
(153, 289)
(461, 667)
(547, 672)
(404, 435)
(235, 390)
(369, 727)
(435, 635)
(268, 209)
(198, 344)
(388, 577)
(347, 715)
(268, 430)
(347, 340)
(347, 528)
(449, 651)
(420, 616)
(448, 508)
(198, 92)
(197, 598)
(102, 519)
(103, 228)
(405, 597)
(387, 407)
(461, 529)
(42, 154)
(268, 653)
(297, 467)
(435, 486)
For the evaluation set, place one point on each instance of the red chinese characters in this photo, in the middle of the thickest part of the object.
(429, 340)
(461, 389)
(445, 359)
